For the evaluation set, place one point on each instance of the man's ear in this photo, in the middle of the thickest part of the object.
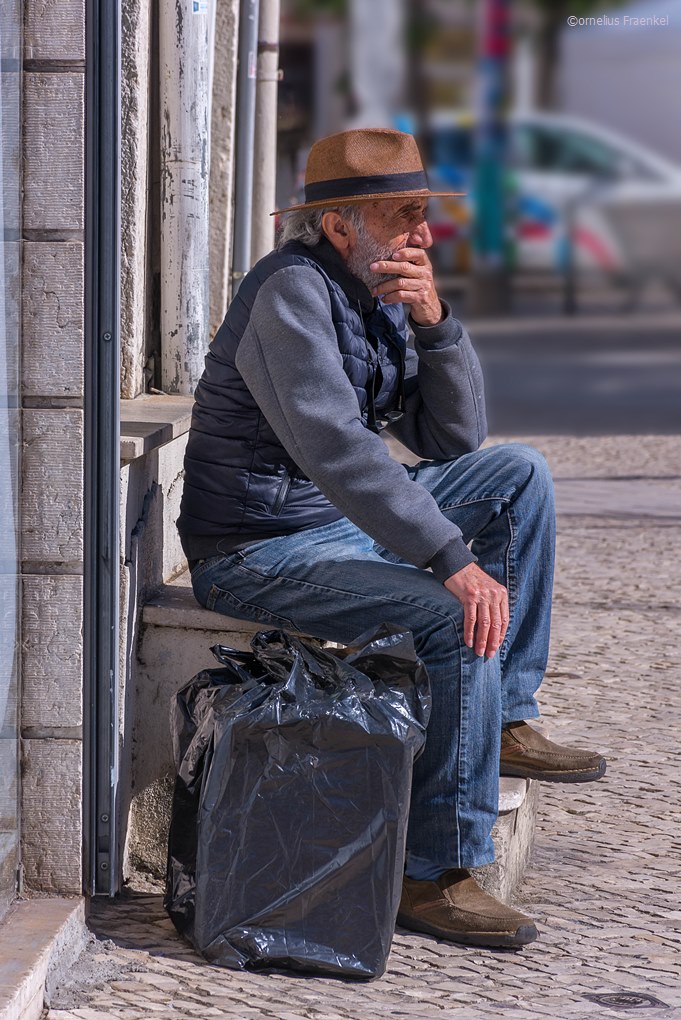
(336, 231)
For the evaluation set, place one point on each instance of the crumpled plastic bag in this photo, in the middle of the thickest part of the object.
(289, 818)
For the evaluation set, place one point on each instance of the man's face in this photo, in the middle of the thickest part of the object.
(389, 225)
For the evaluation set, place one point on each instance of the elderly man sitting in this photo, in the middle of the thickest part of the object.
(294, 514)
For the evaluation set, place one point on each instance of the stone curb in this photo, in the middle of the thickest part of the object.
(38, 939)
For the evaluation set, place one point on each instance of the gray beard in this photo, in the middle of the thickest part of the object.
(366, 251)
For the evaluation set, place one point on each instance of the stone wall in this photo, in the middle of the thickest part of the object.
(53, 397)
(52, 426)
(150, 555)
(151, 484)
(222, 157)
(136, 53)
(140, 191)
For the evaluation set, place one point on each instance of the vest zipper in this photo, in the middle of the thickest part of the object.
(389, 417)
(281, 495)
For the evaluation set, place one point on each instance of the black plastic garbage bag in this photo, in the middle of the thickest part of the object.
(289, 817)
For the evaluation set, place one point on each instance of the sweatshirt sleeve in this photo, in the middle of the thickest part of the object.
(290, 361)
(445, 414)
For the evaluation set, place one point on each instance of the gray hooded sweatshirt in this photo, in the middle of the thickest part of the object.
(289, 359)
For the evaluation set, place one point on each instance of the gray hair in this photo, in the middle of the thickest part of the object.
(305, 225)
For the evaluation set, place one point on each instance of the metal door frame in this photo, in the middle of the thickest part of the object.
(102, 447)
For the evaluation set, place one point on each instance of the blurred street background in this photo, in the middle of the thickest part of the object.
(560, 121)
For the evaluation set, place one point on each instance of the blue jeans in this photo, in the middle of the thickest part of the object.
(334, 582)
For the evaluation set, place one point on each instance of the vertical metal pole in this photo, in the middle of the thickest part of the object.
(184, 45)
(245, 128)
(489, 292)
(265, 141)
(102, 444)
(569, 262)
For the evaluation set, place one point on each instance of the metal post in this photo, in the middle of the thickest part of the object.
(245, 129)
(184, 44)
(569, 262)
(489, 288)
(265, 141)
(102, 444)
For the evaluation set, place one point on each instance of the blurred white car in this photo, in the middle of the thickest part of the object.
(563, 169)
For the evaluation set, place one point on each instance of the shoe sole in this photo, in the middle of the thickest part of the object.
(525, 934)
(583, 776)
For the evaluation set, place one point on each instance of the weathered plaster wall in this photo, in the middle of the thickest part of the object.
(140, 190)
(222, 157)
(151, 488)
(135, 57)
(151, 485)
(52, 425)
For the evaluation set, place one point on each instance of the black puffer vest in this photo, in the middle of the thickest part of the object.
(240, 483)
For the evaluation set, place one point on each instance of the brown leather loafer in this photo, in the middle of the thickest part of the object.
(456, 909)
(528, 754)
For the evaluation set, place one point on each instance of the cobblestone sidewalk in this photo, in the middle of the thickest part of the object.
(605, 878)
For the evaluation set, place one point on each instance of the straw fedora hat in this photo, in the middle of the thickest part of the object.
(363, 165)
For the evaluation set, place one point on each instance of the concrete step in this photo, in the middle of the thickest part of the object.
(39, 941)
(513, 836)
(175, 640)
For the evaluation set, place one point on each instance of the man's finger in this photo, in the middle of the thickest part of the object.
(469, 618)
(412, 255)
(494, 635)
(399, 268)
(482, 628)
(505, 617)
(399, 283)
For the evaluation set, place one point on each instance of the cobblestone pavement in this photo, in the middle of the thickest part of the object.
(605, 876)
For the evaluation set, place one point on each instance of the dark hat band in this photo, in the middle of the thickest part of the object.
(378, 184)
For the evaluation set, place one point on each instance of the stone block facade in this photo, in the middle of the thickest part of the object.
(52, 497)
(54, 31)
(53, 152)
(53, 319)
(52, 677)
(51, 412)
(52, 448)
(52, 804)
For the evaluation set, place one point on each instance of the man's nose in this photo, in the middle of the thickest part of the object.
(421, 236)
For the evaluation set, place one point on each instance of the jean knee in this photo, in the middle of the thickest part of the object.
(528, 466)
(438, 633)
